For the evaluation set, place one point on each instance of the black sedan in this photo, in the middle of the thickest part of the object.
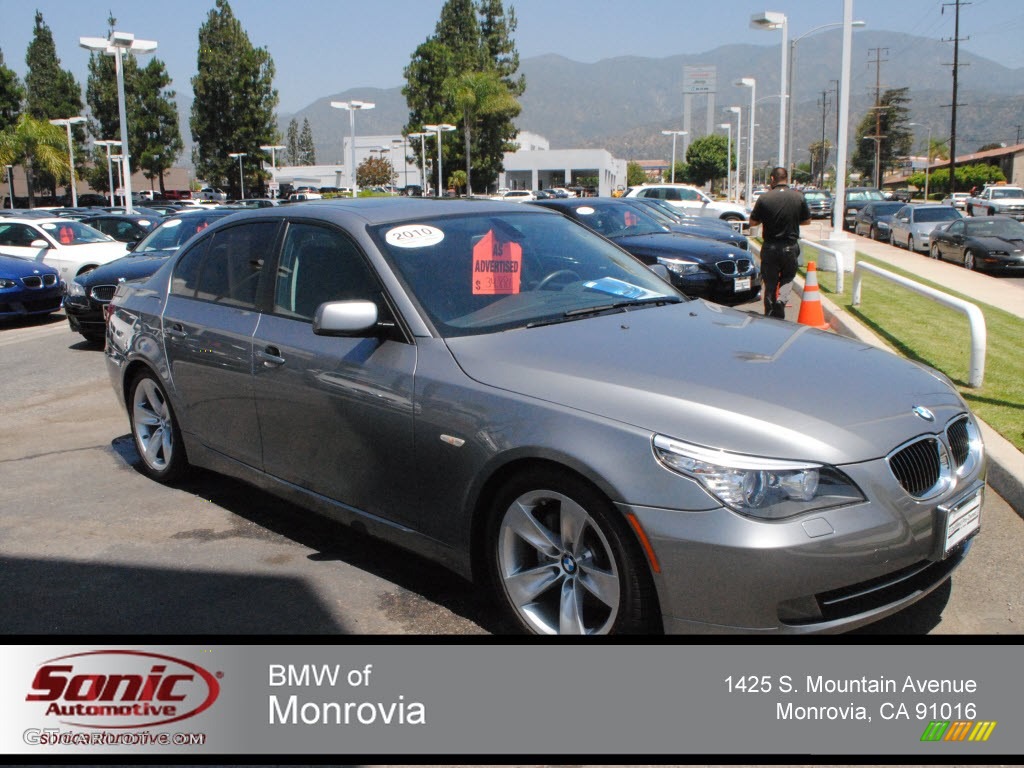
(697, 266)
(88, 294)
(127, 228)
(695, 226)
(992, 243)
(875, 219)
(28, 288)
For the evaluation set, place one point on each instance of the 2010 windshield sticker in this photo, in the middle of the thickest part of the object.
(497, 266)
(414, 236)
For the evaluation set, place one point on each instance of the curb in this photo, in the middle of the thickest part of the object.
(1005, 462)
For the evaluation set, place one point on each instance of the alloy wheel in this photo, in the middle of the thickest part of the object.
(152, 425)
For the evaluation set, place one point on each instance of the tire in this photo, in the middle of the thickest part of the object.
(155, 429)
(910, 243)
(969, 262)
(731, 217)
(935, 252)
(871, 233)
(563, 561)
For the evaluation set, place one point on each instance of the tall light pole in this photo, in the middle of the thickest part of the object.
(10, 184)
(107, 144)
(928, 159)
(272, 149)
(789, 81)
(405, 157)
(422, 136)
(352, 107)
(117, 45)
(751, 83)
(728, 159)
(439, 129)
(674, 135)
(241, 178)
(775, 20)
(738, 111)
(67, 122)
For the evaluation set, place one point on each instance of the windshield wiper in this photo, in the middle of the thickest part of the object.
(620, 306)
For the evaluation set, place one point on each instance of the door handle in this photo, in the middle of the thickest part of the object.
(176, 331)
(271, 357)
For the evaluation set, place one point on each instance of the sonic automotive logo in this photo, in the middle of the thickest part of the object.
(122, 689)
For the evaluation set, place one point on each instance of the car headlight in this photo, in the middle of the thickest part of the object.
(760, 487)
(883, 225)
(5, 283)
(680, 266)
(75, 288)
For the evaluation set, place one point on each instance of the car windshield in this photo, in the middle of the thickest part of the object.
(886, 209)
(70, 232)
(815, 196)
(864, 194)
(1008, 229)
(617, 219)
(483, 273)
(928, 215)
(1003, 193)
(170, 234)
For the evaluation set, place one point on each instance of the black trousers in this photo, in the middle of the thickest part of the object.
(779, 262)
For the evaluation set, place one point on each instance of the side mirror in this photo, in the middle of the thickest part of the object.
(131, 246)
(40, 243)
(344, 318)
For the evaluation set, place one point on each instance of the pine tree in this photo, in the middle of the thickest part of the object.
(234, 98)
(11, 95)
(154, 131)
(896, 135)
(292, 152)
(307, 151)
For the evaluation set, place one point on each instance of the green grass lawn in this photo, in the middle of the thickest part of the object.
(924, 330)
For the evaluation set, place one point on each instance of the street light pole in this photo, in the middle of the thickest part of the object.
(352, 106)
(928, 158)
(116, 45)
(674, 135)
(10, 184)
(422, 136)
(728, 159)
(67, 122)
(738, 111)
(751, 83)
(439, 129)
(241, 178)
(775, 20)
(272, 149)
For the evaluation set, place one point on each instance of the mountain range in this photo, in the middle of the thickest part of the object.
(622, 104)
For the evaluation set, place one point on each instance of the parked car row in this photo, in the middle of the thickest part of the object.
(503, 390)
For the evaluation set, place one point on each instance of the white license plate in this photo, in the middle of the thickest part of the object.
(741, 284)
(963, 520)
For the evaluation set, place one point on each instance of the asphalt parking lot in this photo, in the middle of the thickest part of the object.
(90, 545)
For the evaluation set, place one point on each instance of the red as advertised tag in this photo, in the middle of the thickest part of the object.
(497, 266)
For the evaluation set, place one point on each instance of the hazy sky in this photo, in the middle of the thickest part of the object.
(324, 47)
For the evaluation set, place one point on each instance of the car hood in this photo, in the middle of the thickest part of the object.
(998, 244)
(676, 245)
(16, 266)
(722, 378)
(128, 268)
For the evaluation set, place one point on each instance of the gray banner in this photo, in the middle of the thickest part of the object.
(528, 699)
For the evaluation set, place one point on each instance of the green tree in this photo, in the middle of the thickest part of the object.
(11, 95)
(457, 180)
(307, 151)
(51, 92)
(292, 142)
(476, 95)
(375, 172)
(154, 131)
(706, 159)
(468, 38)
(37, 146)
(897, 136)
(234, 97)
(682, 172)
(635, 174)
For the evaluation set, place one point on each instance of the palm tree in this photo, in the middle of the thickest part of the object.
(476, 94)
(36, 145)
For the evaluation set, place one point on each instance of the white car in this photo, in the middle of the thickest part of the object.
(70, 247)
(212, 193)
(692, 200)
(516, 196)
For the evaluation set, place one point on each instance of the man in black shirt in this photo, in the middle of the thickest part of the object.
(780, 213)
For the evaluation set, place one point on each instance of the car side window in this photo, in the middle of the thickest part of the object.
(18, 235)
(226, 268)
(956, 228)
(318, 264)
(690, 195)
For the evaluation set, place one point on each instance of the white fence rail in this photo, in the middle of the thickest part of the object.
(974, 316)
(835, 256)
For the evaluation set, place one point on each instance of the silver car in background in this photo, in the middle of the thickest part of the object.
(912, 224)
(500, 389)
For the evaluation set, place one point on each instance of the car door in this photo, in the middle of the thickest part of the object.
(335, 413)
(951, 241)
(208, 324)
(16, 239)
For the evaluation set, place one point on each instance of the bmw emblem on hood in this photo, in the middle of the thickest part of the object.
(924, 413)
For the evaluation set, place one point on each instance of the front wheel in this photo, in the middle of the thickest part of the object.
(155, 429)
(936, 254)
(910, 243)
(969, 262)
(562, 560)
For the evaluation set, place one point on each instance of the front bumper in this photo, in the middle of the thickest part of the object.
(85, 315)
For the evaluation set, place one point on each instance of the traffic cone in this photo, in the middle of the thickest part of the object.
(810, 304)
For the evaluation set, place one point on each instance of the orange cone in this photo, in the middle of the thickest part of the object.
(810, 304)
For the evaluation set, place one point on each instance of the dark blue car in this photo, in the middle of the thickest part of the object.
(28, 288)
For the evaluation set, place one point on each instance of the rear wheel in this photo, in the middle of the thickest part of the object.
(563, 561)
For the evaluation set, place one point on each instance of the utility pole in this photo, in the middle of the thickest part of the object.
(879, 52)
(956, 69)
(825, 104)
